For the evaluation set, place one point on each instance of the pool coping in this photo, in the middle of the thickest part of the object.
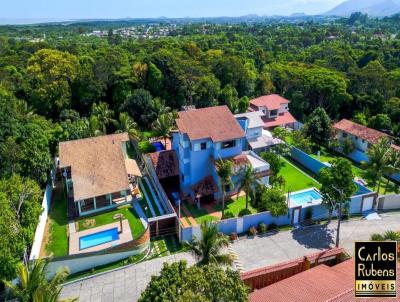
(124, 237)
(293, 204)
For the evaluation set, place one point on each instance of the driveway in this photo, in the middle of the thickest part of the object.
(121, 285)
(126, 284)
(283, 246)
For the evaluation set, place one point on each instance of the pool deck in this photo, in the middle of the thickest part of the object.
(125, 236)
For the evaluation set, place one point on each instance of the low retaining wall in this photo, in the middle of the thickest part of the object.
(389, 202)
(82, 262)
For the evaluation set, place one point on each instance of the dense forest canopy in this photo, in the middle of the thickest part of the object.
(58, 82)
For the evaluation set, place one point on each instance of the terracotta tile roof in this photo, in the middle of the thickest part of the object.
(370, 135)
(165, 163)
(97, 165)
(321, 283)
(395, 147)
(282, 119)
(216, 123)
(132, 167)
(271, 102)
(205, 187)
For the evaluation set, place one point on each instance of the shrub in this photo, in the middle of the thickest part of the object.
(146, 147)
(272, 226)
(233, 236)
(228, 215)
(376, 237)
(262, 228)
(244, 212)
(131, 259)
(252, 231)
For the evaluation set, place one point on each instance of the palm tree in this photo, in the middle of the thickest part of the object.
(247, 181)
(164, 125)
(158, 107)
(387, 236)
(33, 286)
(126, 124)
(393, 165)
(207, 250)
(103, 115)
(94, 126)
(224, 171)
(378, 161)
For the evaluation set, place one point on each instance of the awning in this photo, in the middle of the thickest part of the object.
(132, 167)
(205, 187)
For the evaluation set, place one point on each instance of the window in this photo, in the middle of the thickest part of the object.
(228, 144)
(356, 138)
(203, 146)
(273, 112)
(344, 134)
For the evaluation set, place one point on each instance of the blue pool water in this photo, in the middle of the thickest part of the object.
(304, 197)
(159, 146)
(98, 238)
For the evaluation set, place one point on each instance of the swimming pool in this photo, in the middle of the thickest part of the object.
(305, 197)
(98, 238)
(158, 145)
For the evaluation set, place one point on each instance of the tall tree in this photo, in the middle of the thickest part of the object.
(318, 127)
(126, 124)
(208, 249)
(104, 115)
(177, 282)
(224, 171)
(164, 125)
(337, 188)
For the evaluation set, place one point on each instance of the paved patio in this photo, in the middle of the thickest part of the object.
(125, 236)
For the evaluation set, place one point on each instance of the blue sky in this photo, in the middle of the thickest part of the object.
(74, 9)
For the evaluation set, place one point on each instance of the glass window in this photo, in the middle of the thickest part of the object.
(203, 146)
(228, 144)
(273, 112)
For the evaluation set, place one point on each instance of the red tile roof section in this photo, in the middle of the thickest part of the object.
(165, 163)
(271, 102)
(370, 135)
(321, 283)
(216, 123)
(281, 119)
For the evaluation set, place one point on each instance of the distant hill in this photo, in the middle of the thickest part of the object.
(374, 8)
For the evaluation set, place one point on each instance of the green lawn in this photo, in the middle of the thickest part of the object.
(57, 243)
(234, 205)
(151, 199)
(166, 245)
(327, 157)
(199, 215)
(127, 211)
(296, 180)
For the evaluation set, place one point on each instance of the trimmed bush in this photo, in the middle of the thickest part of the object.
(146, 147)
(228, 215)
(272, 226)
(244, 212)
(252, 231)
(233, 236)
(262, 228)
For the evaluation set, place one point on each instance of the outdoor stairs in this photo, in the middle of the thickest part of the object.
(236, 261)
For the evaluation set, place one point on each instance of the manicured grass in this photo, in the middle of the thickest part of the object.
(199, 215)
(151, 199)
(128, 213)
(58, 238)
(234, 205)
(295, 179)
(327, 157)
(164, 246)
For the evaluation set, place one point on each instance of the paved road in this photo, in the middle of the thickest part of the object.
(122, 285)
(126, 284)
(262, 251)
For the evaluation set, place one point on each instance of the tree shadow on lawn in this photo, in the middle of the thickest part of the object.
(317, 237)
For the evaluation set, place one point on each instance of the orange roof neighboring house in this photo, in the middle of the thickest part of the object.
(281, 119)
(370, 135)
(97, 165)
(321, 283)
(216, 123)
(271, 102)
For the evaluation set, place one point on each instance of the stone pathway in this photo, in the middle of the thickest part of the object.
(211, 210)
(188, 216)
(236, 261)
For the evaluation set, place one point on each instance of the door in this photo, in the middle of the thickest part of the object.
(296, 215)
(367, 203)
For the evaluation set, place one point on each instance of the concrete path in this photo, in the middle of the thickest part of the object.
(126, 284)
(121, 285)
(286, 245)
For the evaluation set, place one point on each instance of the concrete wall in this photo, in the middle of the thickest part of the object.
(389, 202)
(40, 229)
(84, 262)
(306, 160)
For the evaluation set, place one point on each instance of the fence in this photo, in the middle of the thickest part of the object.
(389, 202)
(40, 229)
